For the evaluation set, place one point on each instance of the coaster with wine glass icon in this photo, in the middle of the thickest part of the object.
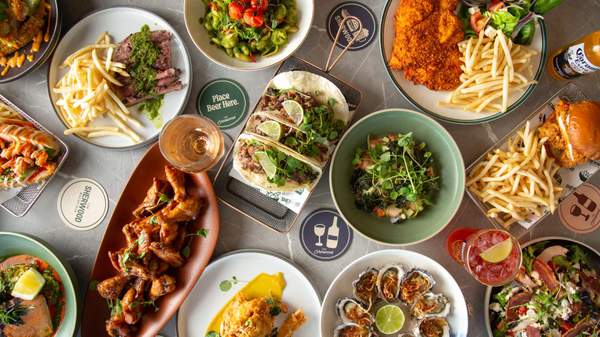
(324, 235)
(580, 211)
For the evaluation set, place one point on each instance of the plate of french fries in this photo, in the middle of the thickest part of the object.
(517, 183)
(498, 76)
(83, 80)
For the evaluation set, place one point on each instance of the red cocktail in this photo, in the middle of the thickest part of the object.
(491, 256)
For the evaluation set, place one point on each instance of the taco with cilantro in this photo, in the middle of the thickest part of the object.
(272, 167)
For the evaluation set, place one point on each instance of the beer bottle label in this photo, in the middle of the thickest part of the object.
(572, 62)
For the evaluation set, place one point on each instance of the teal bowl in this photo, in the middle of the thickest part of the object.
(17, 244)
(448, 160)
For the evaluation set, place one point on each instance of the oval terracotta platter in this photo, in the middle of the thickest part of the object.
(96, 311)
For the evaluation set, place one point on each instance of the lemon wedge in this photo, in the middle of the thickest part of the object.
(29, 285)
(498, 252)
(294, 110)
(267, 164)
(271, 129)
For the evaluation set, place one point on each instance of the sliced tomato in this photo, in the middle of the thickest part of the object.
(236, 10)
(495, 5)
(254, 18)
(478, 22)
(260, 4)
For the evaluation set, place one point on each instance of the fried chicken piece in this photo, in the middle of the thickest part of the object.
(157, 266)
(425, 44)
(162, 285)
(292, 323)
(168, 231)
(152, 202)
(167, 254)
(131, 306)
(112, 287)
(183, 211)
(177, 180)
(117, 327)
(247, 318)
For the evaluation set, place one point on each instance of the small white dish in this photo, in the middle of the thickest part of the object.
(426, 100)
(194, 10)
(445, 284)
(206, 299)
(119, 22)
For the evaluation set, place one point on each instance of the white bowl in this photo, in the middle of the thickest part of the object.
(195, 9)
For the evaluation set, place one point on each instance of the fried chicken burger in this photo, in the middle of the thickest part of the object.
(573, 133)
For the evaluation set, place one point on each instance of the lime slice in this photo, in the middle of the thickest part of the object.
(294, 110)
(389, 319)
(271, 129)
(29, 285)
(267, 164)
(498, 252)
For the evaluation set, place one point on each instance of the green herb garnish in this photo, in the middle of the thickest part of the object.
(144, 54)
(151, 108)
(12, 314)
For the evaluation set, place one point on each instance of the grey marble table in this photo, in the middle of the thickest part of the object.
(364, 69)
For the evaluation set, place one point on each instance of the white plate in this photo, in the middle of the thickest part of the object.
(445, 284)
(119, 22)
(426, 99)
(207, 299)
(195, 9)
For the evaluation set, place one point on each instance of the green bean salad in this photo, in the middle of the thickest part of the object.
(246, 29)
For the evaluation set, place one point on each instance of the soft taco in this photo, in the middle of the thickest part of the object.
(290, 137)
(308, 102)
(267, 165)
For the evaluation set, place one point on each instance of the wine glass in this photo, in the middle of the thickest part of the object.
(319, 230)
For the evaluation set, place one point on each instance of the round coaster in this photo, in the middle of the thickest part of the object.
(82, 204)
(324, 235)
(224, 101)
(352, 8)
(580, 211)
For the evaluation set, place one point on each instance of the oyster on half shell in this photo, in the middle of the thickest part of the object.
(350, 311)
(365, 287)
(388, 282)
(416, 283)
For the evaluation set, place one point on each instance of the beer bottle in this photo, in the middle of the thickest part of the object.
(579, 58)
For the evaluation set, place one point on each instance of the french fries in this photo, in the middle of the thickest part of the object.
(86, 95)
(493, 69)
(517, 183)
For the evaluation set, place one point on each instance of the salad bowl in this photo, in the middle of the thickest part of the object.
(195, 10)
(448, 163)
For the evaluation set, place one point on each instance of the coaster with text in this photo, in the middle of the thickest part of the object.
(224, 101)
(324, 235)
(82, 204)
(580, 211)
(365, 36)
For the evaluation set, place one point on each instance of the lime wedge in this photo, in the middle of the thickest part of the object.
(294, 110)
(267, 164)
(389, 319)
(271, 129)
(29, 285)
(498, 252)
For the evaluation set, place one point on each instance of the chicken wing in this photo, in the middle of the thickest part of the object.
(162, 285)
(185, 210)
(167, 254)
(152, 202)
(112, 287)
(177, 180)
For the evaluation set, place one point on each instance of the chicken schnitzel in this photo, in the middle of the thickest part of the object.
(425, 45)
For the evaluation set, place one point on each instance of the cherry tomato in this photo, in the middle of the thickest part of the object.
(478, 22)
(253, 17)
(260, 4)
(495, 5)
(236, 10)
(565, 326)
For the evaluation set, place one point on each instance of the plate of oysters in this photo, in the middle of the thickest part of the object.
(395, 293)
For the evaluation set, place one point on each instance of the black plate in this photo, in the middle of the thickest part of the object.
(45, 51)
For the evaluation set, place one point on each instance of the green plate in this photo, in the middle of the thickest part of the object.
(449, 163)
(17, 244)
